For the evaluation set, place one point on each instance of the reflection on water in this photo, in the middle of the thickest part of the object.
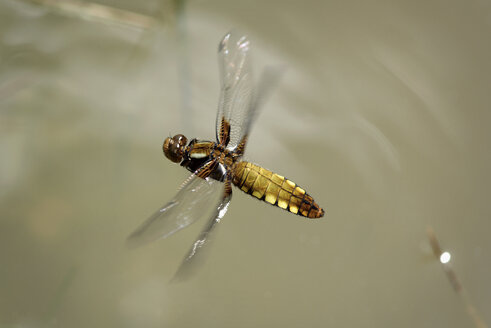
(382, 112)
(445, 257)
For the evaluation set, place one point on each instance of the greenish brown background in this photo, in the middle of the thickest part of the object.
(383, 114)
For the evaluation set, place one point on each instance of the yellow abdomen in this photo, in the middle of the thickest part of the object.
(275, 189)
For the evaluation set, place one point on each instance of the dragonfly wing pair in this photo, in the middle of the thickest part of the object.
(187, 206)
(197, 198)
(200, 195)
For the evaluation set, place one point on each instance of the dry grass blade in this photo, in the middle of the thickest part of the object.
(454, 281)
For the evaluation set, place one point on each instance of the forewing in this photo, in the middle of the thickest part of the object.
(196, 198)
(239, 100)
(236, 85)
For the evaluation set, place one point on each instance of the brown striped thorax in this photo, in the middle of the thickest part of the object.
(217, 165)
(198, 152)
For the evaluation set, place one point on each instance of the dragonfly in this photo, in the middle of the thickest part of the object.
(217, 165)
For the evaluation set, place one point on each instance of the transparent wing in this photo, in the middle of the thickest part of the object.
(196, 198)
(239, 100)
(196, 255)
(236, 85)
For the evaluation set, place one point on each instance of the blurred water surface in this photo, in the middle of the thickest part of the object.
(382, 114)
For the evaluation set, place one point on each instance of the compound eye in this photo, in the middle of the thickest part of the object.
(174, 147)
(180, 142)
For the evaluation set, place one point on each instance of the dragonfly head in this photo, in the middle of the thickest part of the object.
(174, 147)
